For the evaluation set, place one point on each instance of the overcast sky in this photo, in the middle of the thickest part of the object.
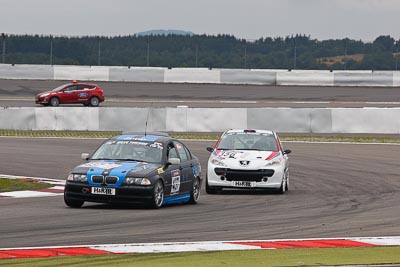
(250, 19)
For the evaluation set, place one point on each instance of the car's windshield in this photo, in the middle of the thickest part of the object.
(130, 150)
(248, 141)
(60, 87)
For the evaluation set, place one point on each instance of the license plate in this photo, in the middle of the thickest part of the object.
(103, 191)
(243, 184)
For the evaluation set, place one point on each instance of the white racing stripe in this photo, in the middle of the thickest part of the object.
(44, 180)
(28, 193)
(56, 190)
(380, 241)
(212, 245)
(172, 247)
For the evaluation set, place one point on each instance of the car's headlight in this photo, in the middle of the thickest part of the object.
(137, 181)
(77, 177)
(218, 162)
(274, 162)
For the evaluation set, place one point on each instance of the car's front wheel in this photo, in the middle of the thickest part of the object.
(195, 193)
(94, 101)
(158, 195)
(54, 101)
(73, 203)
(287, 181)
(284, 186)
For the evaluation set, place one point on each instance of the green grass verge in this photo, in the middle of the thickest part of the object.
(8, 185)
(254, 258)
(204, 136)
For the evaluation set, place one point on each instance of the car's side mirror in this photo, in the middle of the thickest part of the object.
(210, 149)
(287, 151)
(173, 161)
(85, 156)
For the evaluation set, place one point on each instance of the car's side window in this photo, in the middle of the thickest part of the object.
(188, 152)
(181, 151)
(171, 151)
(82, 86)
(71, 88)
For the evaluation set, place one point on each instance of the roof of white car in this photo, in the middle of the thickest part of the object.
(250, 131)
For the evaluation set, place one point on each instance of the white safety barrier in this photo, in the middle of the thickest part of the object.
(237, 76)
(184, 119)
(87, 73)
(189, 75)
(364, 78)
(396, 79)
(305, 78)
(202, 75)
(33, 72)
(136, 74)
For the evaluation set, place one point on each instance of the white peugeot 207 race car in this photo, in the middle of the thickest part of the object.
(248, 159)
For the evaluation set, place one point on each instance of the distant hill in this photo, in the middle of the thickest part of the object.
(164, 32)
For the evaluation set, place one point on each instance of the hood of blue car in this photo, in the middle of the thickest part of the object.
(120, 169)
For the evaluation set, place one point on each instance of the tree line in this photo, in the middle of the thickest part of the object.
(210, 51)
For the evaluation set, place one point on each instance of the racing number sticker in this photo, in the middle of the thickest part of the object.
(176, 181)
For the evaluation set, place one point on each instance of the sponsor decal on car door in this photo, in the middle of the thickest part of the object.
(175, 181)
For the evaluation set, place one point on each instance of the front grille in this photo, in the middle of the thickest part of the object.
(99, 179)
(111, 179)
(244, 175)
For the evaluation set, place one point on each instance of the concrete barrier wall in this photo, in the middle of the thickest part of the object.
(396, 79)
(87, 73)
(363, 78)
(33, 72)
(136, 74)
(202, 75)
(189, 75)
(305, 78)
(288, 120)
(231, 76)
(366, 120)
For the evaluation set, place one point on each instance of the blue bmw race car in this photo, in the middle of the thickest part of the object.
(151, 168)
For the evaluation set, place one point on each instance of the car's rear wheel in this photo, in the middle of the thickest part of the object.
(195, 193)
(158, 195)
(94, 101)
(211, 190)
(54, 102)
(73, 203)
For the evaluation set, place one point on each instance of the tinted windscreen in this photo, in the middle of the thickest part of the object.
(130, 150)
(248, 141)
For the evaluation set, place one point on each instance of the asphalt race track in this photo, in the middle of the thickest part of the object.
(337, 190)
(120, 94)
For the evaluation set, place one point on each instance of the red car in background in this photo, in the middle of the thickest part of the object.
(72, 93)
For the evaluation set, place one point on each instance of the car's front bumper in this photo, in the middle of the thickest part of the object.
(41, 100)
(270, 177)
(125, 194)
